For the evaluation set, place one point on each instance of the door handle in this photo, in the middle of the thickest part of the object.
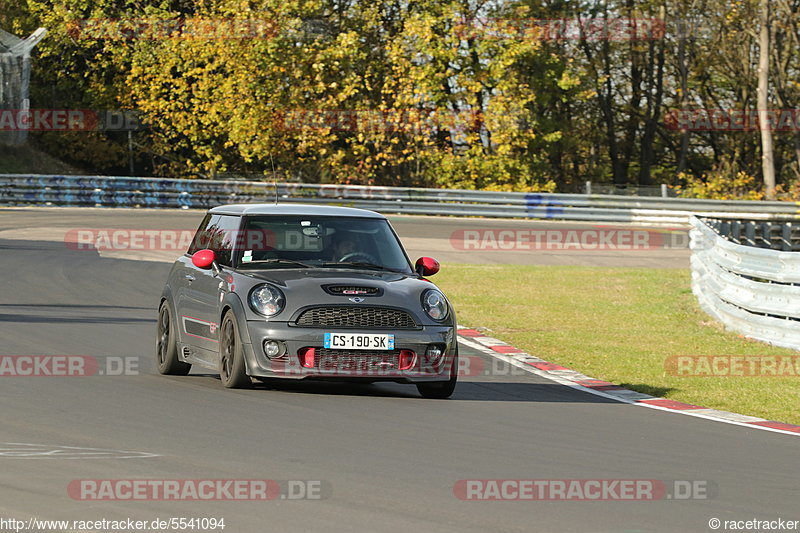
(189, 277)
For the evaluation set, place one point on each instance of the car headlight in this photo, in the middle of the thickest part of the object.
(267, 300)
(434, 304)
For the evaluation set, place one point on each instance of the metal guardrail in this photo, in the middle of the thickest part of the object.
(776, 235)
(752, 290)
(26, 189)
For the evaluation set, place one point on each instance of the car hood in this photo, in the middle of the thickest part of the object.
(292, 279)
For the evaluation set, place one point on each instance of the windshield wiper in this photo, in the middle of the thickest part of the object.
(361, 264)
(279, 262)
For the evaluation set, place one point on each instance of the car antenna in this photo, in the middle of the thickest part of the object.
(274, 181)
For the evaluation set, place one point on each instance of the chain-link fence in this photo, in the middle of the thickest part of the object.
(15, 75)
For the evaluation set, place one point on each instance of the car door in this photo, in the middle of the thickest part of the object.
(205, 288)
(184, 275)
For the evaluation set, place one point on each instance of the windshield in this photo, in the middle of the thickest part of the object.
(320, 242)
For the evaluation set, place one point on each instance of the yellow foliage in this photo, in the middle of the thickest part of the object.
(720, 186)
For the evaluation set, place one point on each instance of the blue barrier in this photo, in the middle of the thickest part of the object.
(105, 191)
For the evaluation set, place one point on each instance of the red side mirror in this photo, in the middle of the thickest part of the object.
(204, 258)
(426, 266)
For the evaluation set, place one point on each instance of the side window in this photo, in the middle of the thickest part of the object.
(201, 240)
(222, 234)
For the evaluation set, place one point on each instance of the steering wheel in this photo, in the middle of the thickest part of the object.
(363, 257)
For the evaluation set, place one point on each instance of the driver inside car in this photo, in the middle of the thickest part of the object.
(343, 246)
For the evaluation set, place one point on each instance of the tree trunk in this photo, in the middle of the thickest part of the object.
(683, 72)
(654, 102)
(767, 163)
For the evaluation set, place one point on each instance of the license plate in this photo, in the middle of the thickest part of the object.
(359, 341)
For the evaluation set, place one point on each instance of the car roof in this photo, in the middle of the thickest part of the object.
(293, 209)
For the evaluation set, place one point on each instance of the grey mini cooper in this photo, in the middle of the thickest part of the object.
(305, 292)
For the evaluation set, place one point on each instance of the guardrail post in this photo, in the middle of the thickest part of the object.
(736, 232)
(588, 187)
(664, 190)
(765, 235)
(725, 229)
(786, 236)
(750, 233)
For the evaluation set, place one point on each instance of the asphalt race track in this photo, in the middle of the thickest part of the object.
(386, 459)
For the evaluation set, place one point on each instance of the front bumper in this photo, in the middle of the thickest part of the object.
(297, 340)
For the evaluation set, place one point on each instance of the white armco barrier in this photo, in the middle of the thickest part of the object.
(754, 291)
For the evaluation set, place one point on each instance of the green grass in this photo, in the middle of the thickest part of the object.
(619, 325)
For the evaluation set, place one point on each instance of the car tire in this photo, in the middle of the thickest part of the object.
(167, 345)
(440, 390)
(232, 371)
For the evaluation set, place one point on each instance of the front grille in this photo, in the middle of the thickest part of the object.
(357, 317)
(351, 290)
(356, 360)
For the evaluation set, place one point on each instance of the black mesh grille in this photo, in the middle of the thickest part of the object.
(357, 317)
(357, 360)
(351, 289)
